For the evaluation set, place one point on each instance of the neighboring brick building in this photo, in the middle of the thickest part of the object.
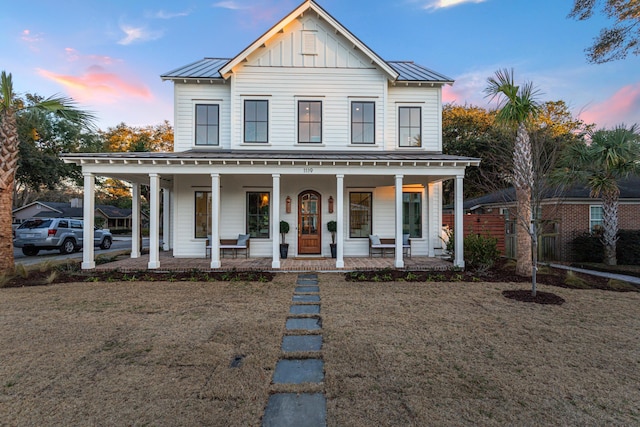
(567, 217)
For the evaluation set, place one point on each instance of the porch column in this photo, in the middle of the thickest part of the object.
(340, 220)
(154, 221)
(399, 252)
(88, 261)
(275, 224)
(215, 221)
(458, 228)
(135, 218)
(165, 218)
(432, 234)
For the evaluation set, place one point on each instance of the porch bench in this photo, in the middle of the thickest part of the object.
(231, 245)
(386, 243)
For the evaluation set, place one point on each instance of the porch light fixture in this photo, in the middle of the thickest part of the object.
(288, 206)
(330, 204)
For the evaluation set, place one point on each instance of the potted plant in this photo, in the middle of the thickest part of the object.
(332, 226)
(284, 247)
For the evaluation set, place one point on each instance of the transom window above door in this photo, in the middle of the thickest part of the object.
(310, 122)
(256, 121)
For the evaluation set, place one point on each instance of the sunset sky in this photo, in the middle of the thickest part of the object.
(108, 55)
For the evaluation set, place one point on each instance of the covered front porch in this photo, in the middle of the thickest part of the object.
(319, 264)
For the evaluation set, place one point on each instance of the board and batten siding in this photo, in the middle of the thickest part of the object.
(429, 99)
(187, 95)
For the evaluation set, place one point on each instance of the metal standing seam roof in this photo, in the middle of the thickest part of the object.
(209, 68)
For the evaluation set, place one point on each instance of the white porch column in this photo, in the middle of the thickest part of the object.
(165, 218)
(275, 223)
(399, 252)
(135, 220)
(88, 261)
(433, 232)
(459, 224)
(154, 221)
(215, 221)
(340, 220)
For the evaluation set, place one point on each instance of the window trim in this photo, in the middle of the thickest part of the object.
(195, 212)
(419, 193)
(207, 103)
(370, 193)
(246, 213)
(298, 102)
(244, 120)
(357, 101)
(591, 226)
(408, 107)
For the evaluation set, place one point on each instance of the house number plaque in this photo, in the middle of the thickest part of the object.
(308, 170)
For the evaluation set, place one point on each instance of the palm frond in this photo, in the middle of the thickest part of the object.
(66, 108)
(6, 89)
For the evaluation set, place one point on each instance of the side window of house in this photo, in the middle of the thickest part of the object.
(207, 124)
(412, 214)
(258, 215)
(309, 122)
(202, 214)
(363, 123)
(360, 214)
(256, 121)
(410, 127)
(595, 218)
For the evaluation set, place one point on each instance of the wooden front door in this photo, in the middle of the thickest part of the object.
(309, 221)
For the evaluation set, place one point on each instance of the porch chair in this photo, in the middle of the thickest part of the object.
(242, 243)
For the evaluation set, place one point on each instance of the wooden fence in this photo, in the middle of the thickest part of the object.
(485, 224)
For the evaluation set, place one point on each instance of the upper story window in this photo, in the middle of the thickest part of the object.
(256, 121)
(363, 122)
(207, 124)
(410, 127)
(309, 121)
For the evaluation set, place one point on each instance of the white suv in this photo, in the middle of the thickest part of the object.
(63, 234)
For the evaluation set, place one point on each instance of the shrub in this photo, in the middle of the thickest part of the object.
(628, 247)
(480, 252)
(587, 247)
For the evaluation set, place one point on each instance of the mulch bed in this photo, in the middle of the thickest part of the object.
(524, 295)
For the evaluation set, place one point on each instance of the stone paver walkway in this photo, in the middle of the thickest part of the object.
(301, 362)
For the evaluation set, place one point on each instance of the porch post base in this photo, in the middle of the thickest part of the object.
(399, 264)
(275, 264)
(216, 264)
(340, 264)
(88, 265)
(459, 264)
(153, 264)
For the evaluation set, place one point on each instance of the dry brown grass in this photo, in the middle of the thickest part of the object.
(415, 354)
(140, 353)
(399, 353)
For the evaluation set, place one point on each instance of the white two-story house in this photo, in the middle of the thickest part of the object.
(306, 125)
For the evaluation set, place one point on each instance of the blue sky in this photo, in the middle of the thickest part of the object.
(109, 55)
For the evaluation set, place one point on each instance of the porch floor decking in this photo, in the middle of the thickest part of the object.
(168, 262)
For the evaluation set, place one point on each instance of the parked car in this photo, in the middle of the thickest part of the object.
(63, 234)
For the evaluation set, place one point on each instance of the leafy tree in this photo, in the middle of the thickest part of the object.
(600, 163)
(617, 41)
(10, 108)
(130, 138)
(517, 107)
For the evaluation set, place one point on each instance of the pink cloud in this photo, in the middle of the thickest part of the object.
(449, 95)
(622, 107)
(73, 55)
(97, 86)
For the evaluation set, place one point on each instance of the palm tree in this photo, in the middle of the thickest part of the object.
(600, 163)
(10, 107)
(517, 106)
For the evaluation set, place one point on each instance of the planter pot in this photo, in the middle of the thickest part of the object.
(334, 250)
(284, 250)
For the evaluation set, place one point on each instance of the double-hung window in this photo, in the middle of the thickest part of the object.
(363, 122)
(410, 127)
(258, 214)
(309, 122)
(412, 214)
(360, 214)
(256, 121)
(596, 219)
(207, 124)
